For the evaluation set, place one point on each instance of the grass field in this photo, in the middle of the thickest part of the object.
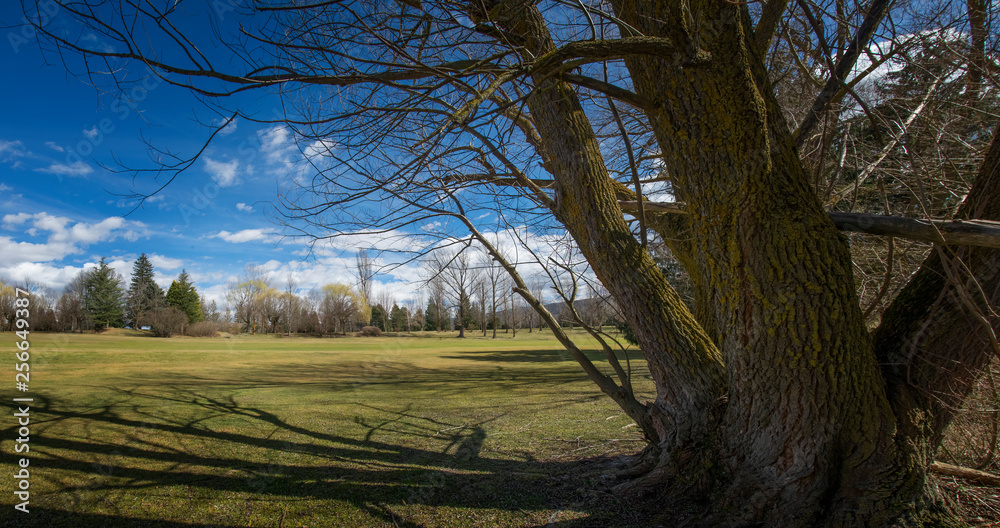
(285, 432)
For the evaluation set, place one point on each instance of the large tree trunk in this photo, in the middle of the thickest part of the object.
(806, 435)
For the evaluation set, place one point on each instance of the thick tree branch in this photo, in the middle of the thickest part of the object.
(983, 233)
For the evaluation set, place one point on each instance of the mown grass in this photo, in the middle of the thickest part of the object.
(263, 431)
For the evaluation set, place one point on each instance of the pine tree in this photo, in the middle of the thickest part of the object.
(183, 295)
(398, 317)
(379, 317)
(143, 293)
(431, 316)
(102, 297)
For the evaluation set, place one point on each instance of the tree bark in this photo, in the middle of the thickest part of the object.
(807, 436)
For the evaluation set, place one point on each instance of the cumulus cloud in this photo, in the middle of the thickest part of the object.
(244, 207)
(91, 132)
(165, 263)
(13, 252)
(5, 188)
(55, 277)
(224, 173)
(54, 146)
(65, 237)
(77, 168)
(246, 235)
(86, 233)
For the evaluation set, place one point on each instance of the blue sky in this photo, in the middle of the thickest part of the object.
(60, 209)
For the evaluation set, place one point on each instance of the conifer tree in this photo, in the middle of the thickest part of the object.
(431, 317)
(102, 297)
(143, 293)
(183, 295)
(379, 317)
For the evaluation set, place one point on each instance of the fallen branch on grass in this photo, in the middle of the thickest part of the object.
(974, 475)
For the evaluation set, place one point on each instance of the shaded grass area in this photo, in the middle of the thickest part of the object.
(133, 431)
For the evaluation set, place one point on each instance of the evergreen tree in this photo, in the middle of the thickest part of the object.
(183, 295)
(431, 316)
(379, 317)
(398, 317)
(102, 297)
(143, 293)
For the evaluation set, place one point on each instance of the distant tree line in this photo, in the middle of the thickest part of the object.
(458, 293)
(97, 299)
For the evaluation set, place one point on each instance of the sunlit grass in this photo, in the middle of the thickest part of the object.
(267, 431)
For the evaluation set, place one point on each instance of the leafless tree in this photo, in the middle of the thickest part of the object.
(458, 276)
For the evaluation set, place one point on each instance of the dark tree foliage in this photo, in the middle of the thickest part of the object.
(183, 295)
(143, 293)
(431, 317)
(380, 318)
(102, 297)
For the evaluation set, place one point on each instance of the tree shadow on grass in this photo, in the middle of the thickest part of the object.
(541, 356)
(403, 468)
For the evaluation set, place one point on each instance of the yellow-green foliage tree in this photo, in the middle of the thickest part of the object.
(341, 308)
(7, 297)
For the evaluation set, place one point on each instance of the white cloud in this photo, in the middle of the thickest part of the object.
(55, 277)
(13, 252)
(77, 168)
(54, 146)
(224, 173)
(275, 142)
(277, 146)
(11, 149)
(244, 207)
(89, 233)
(5, 188)
(229, 129)
(91, 132)
(65, 236)
(319, 148)
(18, 219)
(165, 263)
(246, 235)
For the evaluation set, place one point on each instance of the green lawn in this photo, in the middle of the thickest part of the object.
(286, 432)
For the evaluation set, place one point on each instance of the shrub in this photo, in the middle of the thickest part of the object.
(166, 321)
(370, 331)
(203, 329)
(232, 328)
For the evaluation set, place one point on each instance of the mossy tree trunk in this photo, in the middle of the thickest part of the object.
(773, 400)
